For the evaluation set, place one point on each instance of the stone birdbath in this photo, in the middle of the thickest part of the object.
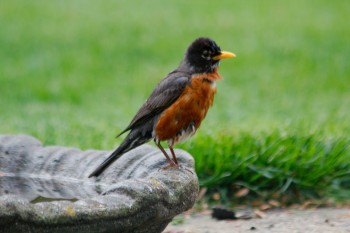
(46, 189)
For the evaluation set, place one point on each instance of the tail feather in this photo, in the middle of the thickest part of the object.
(132, 141)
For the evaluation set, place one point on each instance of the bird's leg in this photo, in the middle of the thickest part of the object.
(172, 163)
(173, 154)
(175, 159)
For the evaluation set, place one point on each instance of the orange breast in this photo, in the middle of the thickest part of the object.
(189, 109)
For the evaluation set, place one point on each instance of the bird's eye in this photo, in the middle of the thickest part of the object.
(206, 54)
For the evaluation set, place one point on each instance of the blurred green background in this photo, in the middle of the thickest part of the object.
(74, 73)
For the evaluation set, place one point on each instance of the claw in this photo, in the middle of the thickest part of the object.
(175, 166)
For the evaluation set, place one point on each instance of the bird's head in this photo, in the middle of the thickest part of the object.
(204, 55)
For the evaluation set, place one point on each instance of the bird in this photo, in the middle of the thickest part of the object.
(176, 107)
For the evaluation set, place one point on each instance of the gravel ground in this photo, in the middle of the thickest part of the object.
(282, 221)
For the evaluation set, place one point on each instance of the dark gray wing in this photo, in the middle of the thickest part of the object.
(165, 93)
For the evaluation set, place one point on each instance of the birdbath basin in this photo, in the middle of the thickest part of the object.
(46, 189)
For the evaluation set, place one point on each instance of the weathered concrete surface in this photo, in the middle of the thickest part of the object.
(326, 220)
(133, 195)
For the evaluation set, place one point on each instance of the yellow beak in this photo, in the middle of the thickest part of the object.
(223, 55)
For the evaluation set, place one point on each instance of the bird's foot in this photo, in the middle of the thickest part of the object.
(175, 166)
(171, 166)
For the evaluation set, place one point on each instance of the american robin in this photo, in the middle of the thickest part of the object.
(178, 104)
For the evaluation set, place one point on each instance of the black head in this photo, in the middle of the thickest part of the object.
(203, 55)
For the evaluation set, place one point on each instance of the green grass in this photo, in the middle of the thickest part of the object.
(73, 73)
(289, 166)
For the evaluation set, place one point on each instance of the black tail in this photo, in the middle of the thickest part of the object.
(134, 139)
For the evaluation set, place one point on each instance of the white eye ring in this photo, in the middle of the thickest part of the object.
(206, 55)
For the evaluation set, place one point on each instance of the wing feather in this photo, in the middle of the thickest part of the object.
(165, 93)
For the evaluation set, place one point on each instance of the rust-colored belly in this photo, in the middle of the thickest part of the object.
(185, 115)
